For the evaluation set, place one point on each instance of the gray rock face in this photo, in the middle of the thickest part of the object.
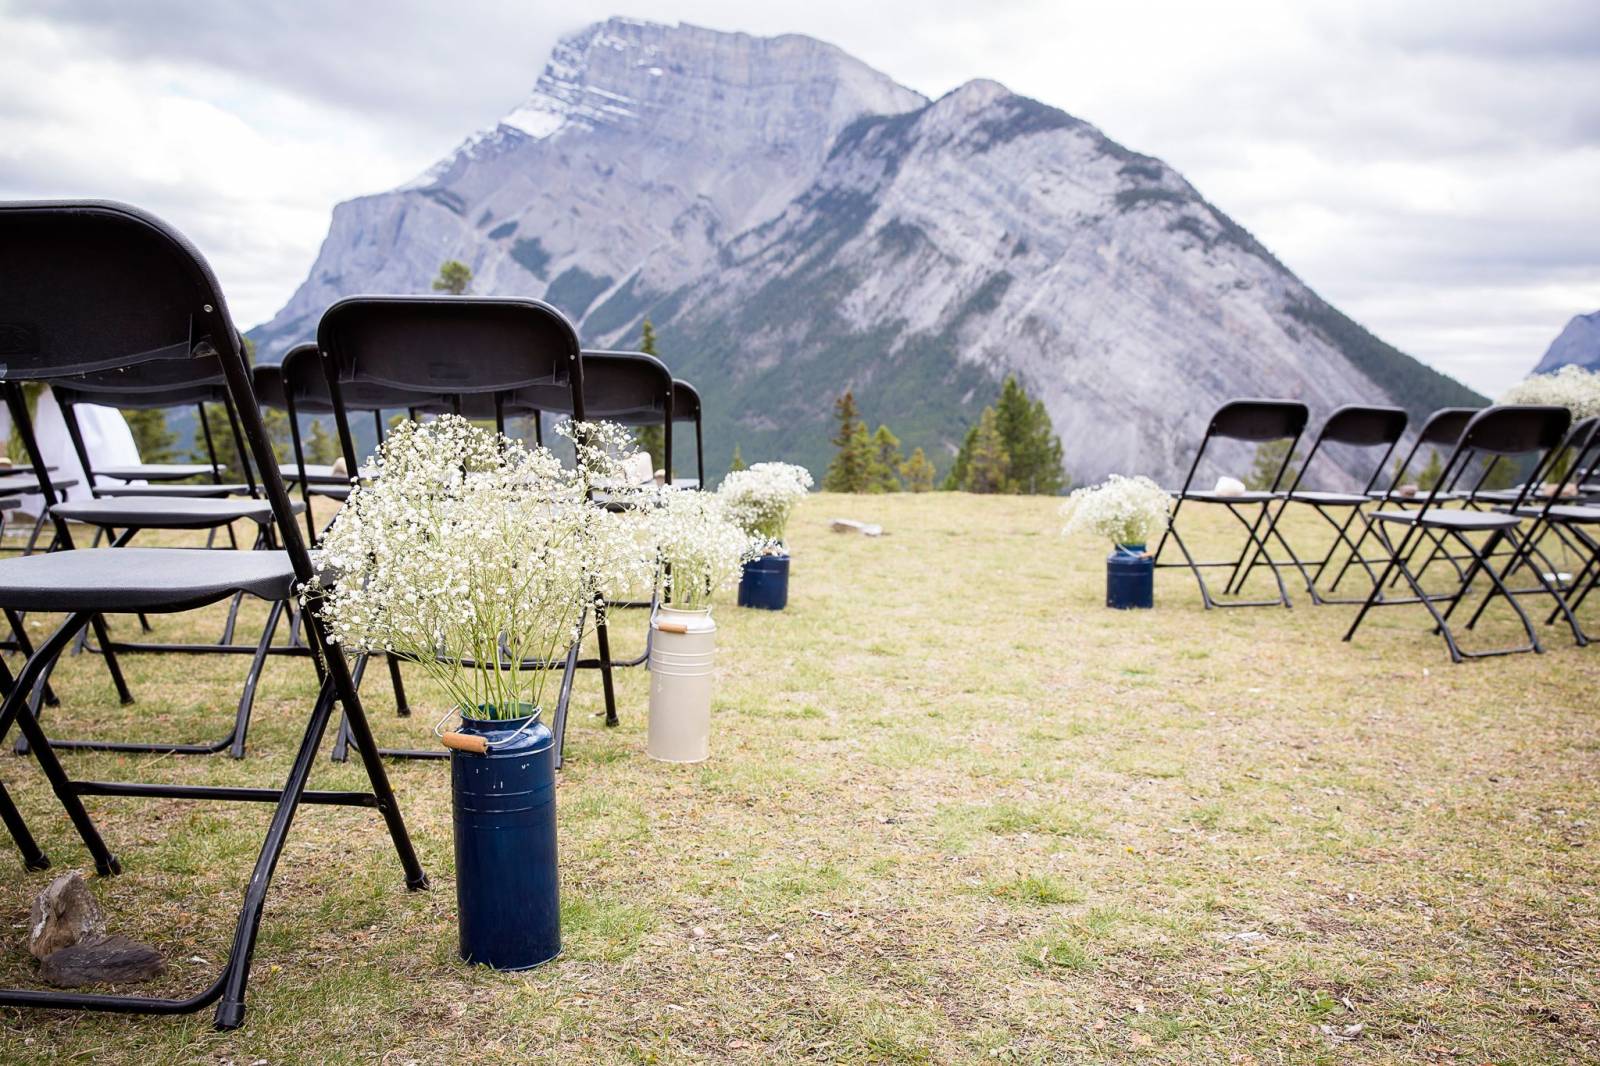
(1577, 345)
(794, 223)
(64, 913)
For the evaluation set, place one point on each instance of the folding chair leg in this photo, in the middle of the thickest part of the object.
(32, 857)
(603, 639)
(558, 723)
(16, 709)
(19, 632)
(1194, 568)
(233, 619)
(114, 668)
(247, 698)
(402, 707)
(1377, 586)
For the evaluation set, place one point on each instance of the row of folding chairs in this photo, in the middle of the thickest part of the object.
(1505, 542)
(107, 304)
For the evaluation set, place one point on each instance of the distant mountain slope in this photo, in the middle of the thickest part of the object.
(1578, 345)
(795, 223)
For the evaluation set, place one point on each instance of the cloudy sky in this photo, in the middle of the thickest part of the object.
(1431, 167)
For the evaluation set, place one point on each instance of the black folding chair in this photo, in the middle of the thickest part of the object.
(1441, 430)
(1505, 432)
(475, 356)
(87, 287)
(1257, 421)
(1350, 427)
(1570, 521)
(119, 516)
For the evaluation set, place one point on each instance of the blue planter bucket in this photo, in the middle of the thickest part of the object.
(503, 788)
(1130, 578)
(765, 583)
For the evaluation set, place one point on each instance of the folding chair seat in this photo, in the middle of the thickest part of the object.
(102, 286)
(502, 358)
(1501, 432)
(1251, 421)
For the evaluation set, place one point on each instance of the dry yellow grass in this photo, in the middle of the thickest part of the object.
(957, 812)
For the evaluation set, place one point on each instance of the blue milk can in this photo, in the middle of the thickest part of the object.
(503, 786)
(1130, 578)
(765, 583)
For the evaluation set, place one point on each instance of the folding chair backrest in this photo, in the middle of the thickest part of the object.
(1363, 426)
(686, 408)
(267, 381)
(685, 401)
(1516, 429)
(305, 384)
(1359, 426)
(156, 385)
(450, 345)
(1259, 420)
(1444, 426)
(1505, 431)
(90, 286)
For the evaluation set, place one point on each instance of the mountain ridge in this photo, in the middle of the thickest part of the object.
(830, 229)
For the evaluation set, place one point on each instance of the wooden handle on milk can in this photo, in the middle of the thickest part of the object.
(465, 742)
(672, 627)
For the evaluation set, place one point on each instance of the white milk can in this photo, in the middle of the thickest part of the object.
(681, 652)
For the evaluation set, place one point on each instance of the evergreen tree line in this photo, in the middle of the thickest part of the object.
(1013, 448)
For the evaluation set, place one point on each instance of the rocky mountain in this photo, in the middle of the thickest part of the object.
(1578, 344)
(795, 223)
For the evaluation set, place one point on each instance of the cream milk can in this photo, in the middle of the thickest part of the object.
(681, 652)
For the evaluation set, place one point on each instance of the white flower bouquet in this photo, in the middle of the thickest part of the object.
(466, 553)
(701, 550)
(760, 499)
(1125, 510)
(1571, 387)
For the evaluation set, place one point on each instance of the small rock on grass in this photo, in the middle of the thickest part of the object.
(64, 914)
(114, 960)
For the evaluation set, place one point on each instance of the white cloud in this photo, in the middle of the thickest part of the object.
(1432, 168)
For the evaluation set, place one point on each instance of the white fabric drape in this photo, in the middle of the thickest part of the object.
(106, 437)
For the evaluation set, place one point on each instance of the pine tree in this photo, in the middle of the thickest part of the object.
(651, 438)
(988, 466)
(320, 447)
(886, 461)
(851, 469)
(1264, 468)
(151, 435)
(1030, 442)
(956, 480)
(1431, 472)
(454, 277)
(737, 462)
(917, 472)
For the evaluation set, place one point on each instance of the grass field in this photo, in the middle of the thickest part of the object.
(956, 812)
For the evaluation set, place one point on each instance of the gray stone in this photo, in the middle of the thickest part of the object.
(114, 960)
(64, 914)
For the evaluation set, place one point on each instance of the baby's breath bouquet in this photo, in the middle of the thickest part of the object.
(1126, 510)
(761, 498)
(467, 553)
(1571, 387)
(701, 549)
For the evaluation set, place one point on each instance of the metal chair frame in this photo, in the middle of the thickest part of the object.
(162, 278)
(1256, 420)
(1353, 425)
(1499, 431)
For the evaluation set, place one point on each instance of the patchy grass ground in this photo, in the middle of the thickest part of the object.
(957, 812)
